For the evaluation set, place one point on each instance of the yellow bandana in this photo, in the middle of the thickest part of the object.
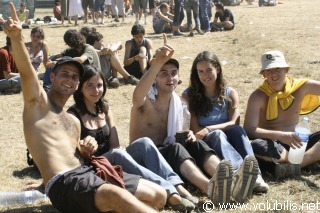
(285, 99)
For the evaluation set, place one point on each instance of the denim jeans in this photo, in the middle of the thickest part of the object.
(205, 12)
(160, 27)
(46, 79)
(148, 161)
(145, 153)
(178, 12)
(192, 5)
(232, 144)
(11, 83)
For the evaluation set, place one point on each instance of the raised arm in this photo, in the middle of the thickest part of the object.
(29, 79)
(162, 55)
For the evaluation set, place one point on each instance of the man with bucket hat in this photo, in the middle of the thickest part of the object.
(273, 111)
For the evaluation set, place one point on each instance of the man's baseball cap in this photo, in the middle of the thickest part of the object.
(66, 60)
(173, 61)
(273, 59)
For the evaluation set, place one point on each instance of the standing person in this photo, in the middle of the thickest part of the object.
(65, 11)
(75, 10)
(215, 117)
(78, 50)
(152, 7)
(70, 185)
(57, 10)
(109, 60)
(225, 16)
(273, 112)
(140, 6)
(99, 10)
(205, 7)
(177, 6)
(37, 48)
(9, 73)
(156, 113)
(97, 121)
(117, 8)
(138, 52)
(85, 5)
(23, 15)
(192, 6)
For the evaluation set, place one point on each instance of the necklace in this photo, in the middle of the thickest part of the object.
(94, 114)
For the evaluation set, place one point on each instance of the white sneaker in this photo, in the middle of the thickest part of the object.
(260, 186)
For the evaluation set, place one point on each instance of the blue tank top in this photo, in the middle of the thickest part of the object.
(219, 112)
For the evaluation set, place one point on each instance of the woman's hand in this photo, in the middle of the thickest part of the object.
(88, 146)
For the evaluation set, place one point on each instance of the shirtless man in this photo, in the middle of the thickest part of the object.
(149, 118)
(52, 137)
(273, 128)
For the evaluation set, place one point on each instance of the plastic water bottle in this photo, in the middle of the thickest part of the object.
(20, 198)
(185, 118)
(302, 130)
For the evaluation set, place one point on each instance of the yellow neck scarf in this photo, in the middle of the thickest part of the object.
(285, 99)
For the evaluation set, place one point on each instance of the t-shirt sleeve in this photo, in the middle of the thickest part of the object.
(89, 53)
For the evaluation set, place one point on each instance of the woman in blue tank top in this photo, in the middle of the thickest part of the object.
(215, 114)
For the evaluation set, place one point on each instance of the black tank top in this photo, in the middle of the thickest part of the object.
(101, 134)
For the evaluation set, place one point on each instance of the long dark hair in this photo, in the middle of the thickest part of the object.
(199, 103)
(102, 104)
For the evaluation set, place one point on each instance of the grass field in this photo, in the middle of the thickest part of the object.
(292, 27)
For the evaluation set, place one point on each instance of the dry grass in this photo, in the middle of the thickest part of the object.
(292, 27)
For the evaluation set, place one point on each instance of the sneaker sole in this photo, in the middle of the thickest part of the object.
(223, 178)
(250, 173)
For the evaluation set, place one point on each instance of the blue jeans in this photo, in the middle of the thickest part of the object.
(46, 79)
(160, 27)
(168, 180)
(192, 5)
(232, 144)
(11, 83)
(145, 153)
(178, 12)
(205, 13)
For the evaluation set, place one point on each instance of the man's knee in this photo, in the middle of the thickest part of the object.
(144, 142)
(143, 50)
(267, 149)
(151, 193)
